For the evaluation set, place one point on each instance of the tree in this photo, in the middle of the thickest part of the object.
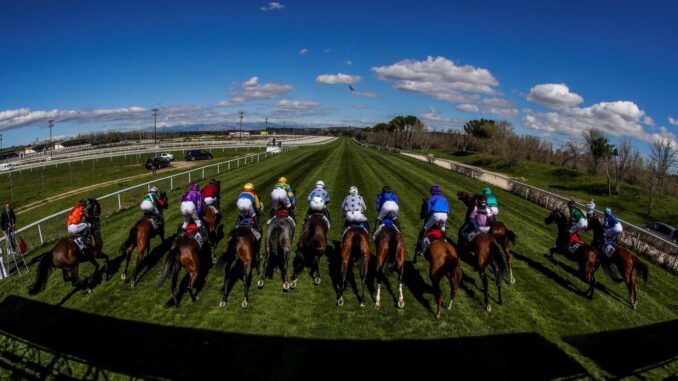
(599, 148)
(571, 150)
(622, 161)
(482, 129)
(663, 157)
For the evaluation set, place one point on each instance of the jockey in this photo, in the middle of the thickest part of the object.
(318, 200)
(75, 224)
(438, 208)
(191, 207)
(590, 208)
(248, 204)
(578, 222)
(491, 201)
(387, 206)
(283, 195)
(210, 193)
(354, 207)
(613, 226)
(480, 217)
(150, 204)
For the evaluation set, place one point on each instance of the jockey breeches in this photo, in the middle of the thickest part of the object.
(317, 204)
(614, 231)
(388, 209)
(436, 218)
(148, 207)
(494, 209)
(190, 213)
(77, 228)
(210, 200)
(279, 198)
(580, 226)
(245, 207)
(352, 217)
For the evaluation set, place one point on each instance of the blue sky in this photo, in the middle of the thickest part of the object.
(551, 68)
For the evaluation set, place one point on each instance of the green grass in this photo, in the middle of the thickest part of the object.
(631, 205)
(544, 329)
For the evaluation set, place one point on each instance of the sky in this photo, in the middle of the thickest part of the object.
(553, 69)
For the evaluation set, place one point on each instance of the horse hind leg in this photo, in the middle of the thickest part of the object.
(509, 262)
(267, 254)
(247, 275)
(483, 278)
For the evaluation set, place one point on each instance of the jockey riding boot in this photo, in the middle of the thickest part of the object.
(367, 226)
(291, 210)
(377, 222)
(327, 214)
(397, 223)
(272, 213)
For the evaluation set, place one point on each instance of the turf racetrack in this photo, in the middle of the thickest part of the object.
(545, 329)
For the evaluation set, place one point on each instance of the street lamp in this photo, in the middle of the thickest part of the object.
(51, 146)
(155, 125)
(242, 113)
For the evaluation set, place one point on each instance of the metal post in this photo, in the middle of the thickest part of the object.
(189, 177)
(171, 183)
(50, 125)
(119, 202)
(218, 165)
(40, 234)
(242, 113)
(203, 174)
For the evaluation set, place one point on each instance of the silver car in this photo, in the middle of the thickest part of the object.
(663, 230)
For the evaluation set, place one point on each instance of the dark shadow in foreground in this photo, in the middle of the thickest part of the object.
(156, 351)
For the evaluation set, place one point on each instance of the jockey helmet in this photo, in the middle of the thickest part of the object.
(570, 203)
(486, 190)
(282, 179)
(248, 186)
(591, 205)
(82, 202)
(435, 189)
(320, 184)
(194, 187)
(386, 189)
(607, 211)
(154, 190)
(353, 190)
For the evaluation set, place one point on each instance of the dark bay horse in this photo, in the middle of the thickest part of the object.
(391, 255)
(498, 229)
(623, 259)
(444, 262)
(585, 255)
(67, 256)
(140, 236)
(242, 245)
(355, 246)
(278, 245)
(311, 246)
(486, 251)
(213, 225)
(185, 252)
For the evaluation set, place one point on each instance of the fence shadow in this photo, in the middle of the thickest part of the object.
(157, 351)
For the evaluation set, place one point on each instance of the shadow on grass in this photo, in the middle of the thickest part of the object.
(103, 344)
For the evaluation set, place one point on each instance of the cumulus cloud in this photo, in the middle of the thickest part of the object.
(253, 90)
(554, 96)
(288, 107)
(502, 111)
(435, 121)
(303, 51)
(339, 78)
(11, 119)
(369, 94)
(673, 121)
(272, 6)
(468, 107)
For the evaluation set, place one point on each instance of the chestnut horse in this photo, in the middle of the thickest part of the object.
(390, 254)
(585, 255)
(140, 236)
(444, 262)
(243, 244)
(487, 250)
(621, 258)
(66, 255)
(185, 251)
(498, 229)
(355, 245)
(311, 246)
(213, 224)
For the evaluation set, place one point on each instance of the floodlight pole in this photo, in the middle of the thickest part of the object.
(242, 113)
(155, 125)
(51, 145)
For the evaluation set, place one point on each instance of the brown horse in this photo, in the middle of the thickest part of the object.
(487, 250)
(444, 262)
(311, 246)
(185, 251)
(498, 229)
(67, 256)
(355, 245)
(243, 244)
(140, 236)
(585, 255)
(621, 258)
(278, 245)
(213, 222)
(390, 254)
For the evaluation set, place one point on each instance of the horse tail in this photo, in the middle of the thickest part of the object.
(452, 266)
(392, 253)
(495, 252)
(511, 236)
(43, 271)
(131, 239)
(230, 247)
(171, 261)
(641, 269)
(355, 246)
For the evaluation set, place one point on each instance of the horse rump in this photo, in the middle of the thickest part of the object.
(171, 261)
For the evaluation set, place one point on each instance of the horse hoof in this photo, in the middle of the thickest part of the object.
(214, 260)
(362, 305)
(340, 302)
(437, 316)
(88, 290)
(316, 281)
(132, 283)
(222, 304)
(244, 304)
(286, 286)
(196, 298)
(489, 308)
(123, 276)
(449, 306)
(293, 285)
(104, 276)
(401, 303)
(635, 305)
(377, 306)
(260, 283)
(512, 279)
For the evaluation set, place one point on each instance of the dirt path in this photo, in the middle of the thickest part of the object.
(33, 205)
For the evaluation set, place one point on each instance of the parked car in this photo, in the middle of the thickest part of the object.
(157, 162)
(167, 156)
(5, 167)
(198, 154)
(663, 230)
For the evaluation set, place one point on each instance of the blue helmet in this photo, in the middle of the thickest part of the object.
(607, 211)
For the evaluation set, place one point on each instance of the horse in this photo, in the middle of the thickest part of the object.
(623, 259)
(66, 255)
(498, 229)
(390, 254)
(213, 221)
(242, 243)
(585, 255)
(444, 262)
(186, 251)
(311, 246)
(140, 236)
(355, 243)
(279, 244)
(487, 250)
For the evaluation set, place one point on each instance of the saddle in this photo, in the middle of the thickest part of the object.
(327, 221)
(434, 234)
(194, 232)
(214, 209)
(360, 225)
(282, 213)
(82, 242)
(249, 223)
(387, 222)
(156, 220)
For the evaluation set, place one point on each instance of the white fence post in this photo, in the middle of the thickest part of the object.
(189, 177)
(40, 234)
(218, 167)
(203, 174)
(171, 182)
(119, 202)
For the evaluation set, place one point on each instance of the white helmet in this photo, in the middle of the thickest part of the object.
(353, 190)
(320, 184)
(154, 190)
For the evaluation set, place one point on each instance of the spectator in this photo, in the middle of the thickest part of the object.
(8, 223)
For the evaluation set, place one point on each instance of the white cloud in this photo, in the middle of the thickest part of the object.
(467, 107)
(554, 96)
(435, 121)
(348, 62)
(11, 119)
(648, 121)
(369, 94)
(271, 6)
(673, 121)
(253, 90)
(502, 111)
(288, 107)
(333, 79)
(303, 51)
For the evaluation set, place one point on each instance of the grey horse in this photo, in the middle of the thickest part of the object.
(278, 246)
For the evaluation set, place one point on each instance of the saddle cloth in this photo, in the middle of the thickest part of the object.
(355, 225)
(381, 226)
(193, 232)
(287, 217)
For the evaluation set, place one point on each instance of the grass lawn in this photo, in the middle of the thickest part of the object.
(545, 329)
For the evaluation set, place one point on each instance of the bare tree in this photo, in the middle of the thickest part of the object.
(622, 161)
(572, 150)
(663, 157)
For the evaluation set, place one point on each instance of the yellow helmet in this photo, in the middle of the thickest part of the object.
(282, 179)
(248, 186)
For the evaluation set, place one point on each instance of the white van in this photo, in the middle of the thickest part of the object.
(5, 167)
